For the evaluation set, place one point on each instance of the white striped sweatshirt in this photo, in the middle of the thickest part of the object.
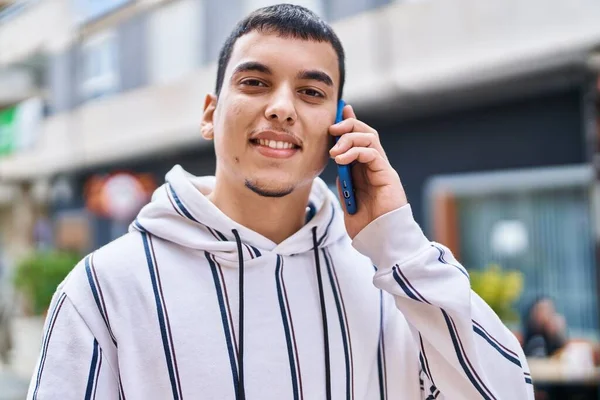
(191, 305)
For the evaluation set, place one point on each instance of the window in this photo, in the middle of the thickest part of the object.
(533, 221)
(99, 66)
(175, 40)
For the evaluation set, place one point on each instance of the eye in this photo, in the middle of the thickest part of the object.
(253, 83)
(312, 93)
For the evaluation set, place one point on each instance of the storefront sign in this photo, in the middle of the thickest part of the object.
(20, 126)
(118, 196)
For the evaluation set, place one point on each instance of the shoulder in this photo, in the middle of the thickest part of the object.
(118, 263)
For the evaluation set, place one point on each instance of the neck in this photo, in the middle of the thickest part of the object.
(275, 218)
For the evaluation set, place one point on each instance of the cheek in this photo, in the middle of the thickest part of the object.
(230, 129)
(320, 153)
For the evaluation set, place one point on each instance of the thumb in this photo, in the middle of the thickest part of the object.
(348, 112)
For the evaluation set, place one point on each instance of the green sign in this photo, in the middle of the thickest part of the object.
(8, 130)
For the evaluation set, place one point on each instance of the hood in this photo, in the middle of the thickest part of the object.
(179, 212)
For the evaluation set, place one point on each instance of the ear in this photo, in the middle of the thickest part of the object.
(207, 126)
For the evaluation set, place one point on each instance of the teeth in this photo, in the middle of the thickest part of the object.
(274, 144)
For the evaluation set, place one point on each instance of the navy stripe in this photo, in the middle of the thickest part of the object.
(256, 251)
(528, 380)
(509, 351)
(98, 372)
(399, 271)
(227, 305)
(328, 225)
(249, 250)
(92, 373)
(343, 329)
(443, 261)
(138, 225)
(167, 187)
(337, 282)
(161, 317)
(286, 327)
(509, 357)
(403, 286)
(181, 206)
(461, 360)
(51, 323)
(289, 310)
(212, 232)
(95, 291)
(422, 362)
(426, 360)
(220, 235)
(121, 391)
(381, 353)
(169, 333)
(469, 361)
(224, 321)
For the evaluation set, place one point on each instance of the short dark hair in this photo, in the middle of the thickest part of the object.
(287, 20)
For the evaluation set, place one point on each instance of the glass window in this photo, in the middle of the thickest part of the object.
(99, 66)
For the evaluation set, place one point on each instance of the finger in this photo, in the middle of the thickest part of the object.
(348, 112)
(349, 124)
(364, 155)
(354, 139)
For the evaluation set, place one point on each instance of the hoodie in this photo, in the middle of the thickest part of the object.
(190, 304)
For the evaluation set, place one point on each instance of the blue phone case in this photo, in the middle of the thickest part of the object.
(344, 172)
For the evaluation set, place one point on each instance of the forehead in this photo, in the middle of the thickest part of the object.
(285, 54)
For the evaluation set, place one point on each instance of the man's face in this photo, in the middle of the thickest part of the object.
(271, 120)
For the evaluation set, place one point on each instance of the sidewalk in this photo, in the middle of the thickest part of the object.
(14, 377)
(11, 386)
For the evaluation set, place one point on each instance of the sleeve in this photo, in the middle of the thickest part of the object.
(465, 351)
(71, 364)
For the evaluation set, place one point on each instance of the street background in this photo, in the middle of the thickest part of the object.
(488, 110)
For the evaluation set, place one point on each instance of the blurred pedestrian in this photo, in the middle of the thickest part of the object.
(545, 330)
(255, 283)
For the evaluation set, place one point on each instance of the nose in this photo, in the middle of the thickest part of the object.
(281, 107)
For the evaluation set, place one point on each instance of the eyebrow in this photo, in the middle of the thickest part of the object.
(256, 66)
(252, 66)
(316, 75)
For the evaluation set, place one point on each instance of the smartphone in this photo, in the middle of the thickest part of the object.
(345, 173)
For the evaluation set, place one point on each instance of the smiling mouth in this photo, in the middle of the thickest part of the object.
(275, 144)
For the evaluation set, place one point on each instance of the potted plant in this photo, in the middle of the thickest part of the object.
(36, 278)
(500, 289)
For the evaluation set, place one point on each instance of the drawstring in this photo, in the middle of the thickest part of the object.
(323, 315)
(241, 392)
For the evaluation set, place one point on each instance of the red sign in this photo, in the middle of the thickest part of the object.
(119, 195)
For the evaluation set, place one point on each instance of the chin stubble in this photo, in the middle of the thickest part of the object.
(265, 192)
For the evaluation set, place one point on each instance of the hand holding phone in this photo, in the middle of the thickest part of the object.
(345, 173)
(364, 166)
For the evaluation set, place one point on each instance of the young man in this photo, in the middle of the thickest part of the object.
(254, 284)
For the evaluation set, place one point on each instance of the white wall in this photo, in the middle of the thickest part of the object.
(39, 27)
(403, 50)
